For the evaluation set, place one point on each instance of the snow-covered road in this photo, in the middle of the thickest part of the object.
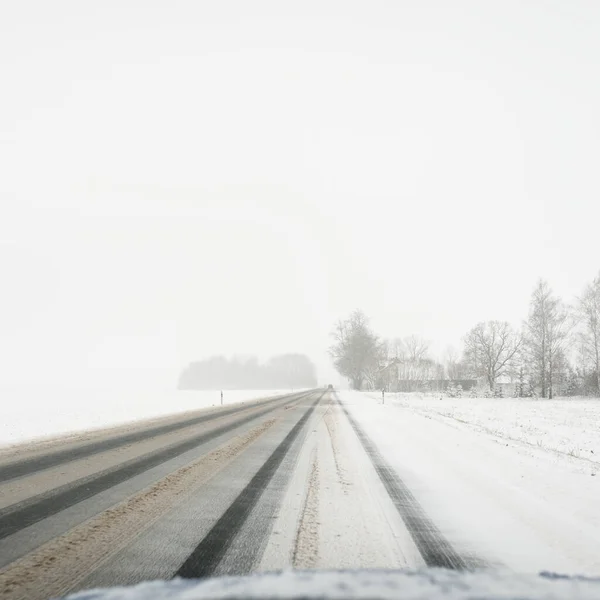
(307, 481)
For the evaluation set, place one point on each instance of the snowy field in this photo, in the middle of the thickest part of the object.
(515, 482)
(37, 414)
(568, 426)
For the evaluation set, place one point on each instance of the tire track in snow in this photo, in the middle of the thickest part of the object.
(205, 558)
(306, 548)
(435, 549)
(333, 440)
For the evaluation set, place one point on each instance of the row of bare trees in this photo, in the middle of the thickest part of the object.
(557, 348)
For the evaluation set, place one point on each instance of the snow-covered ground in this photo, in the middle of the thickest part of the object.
(31, 414)
(568, 426)
(493, 488)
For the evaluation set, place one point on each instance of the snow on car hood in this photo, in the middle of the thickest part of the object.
(362, 584)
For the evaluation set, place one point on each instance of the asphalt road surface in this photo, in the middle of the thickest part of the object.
(291, 481)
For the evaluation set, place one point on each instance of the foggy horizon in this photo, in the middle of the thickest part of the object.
(193, 180)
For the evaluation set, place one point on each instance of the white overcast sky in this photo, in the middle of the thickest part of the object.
(185, 178)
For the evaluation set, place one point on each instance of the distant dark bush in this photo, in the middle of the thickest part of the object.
(280, 372)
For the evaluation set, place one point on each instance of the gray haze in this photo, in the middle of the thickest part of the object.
(182, 179)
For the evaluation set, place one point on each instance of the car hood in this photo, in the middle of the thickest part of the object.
(362, 584)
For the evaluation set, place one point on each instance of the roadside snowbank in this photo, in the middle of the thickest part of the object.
(425, 584)
(37, 414)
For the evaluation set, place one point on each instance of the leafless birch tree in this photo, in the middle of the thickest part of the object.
(588, 309)
(547, 332)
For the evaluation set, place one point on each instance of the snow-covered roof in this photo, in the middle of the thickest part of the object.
(425, 584)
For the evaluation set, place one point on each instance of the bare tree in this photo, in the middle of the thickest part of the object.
(491, 348)
(396, 348)
(415, 348)
(373, 369)
(455, 368)
(537, 334)
(413, 362)
(559, 328)
(588, 310)
(547, 331)
(357, 353)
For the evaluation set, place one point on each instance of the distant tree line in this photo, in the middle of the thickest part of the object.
(285, 371)
(556, 351)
